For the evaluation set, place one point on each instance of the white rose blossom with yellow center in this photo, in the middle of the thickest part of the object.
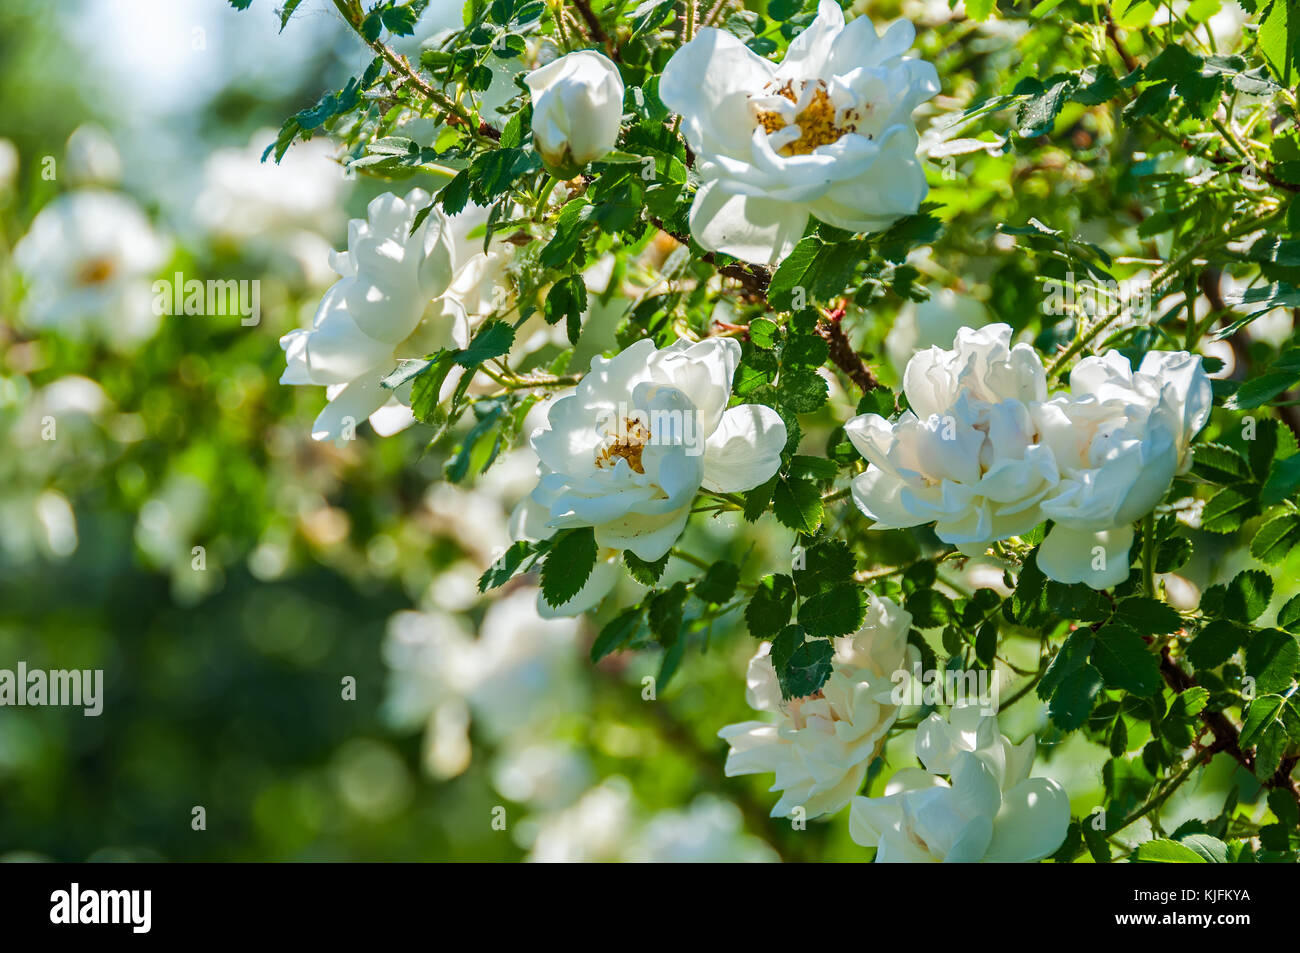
(628, 450)
(826, 133)
(988, 810)
(819, 747)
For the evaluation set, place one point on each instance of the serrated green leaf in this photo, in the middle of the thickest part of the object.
(1272, 658)
(646, 573)
(1215, 644)
(837, 611)
(1248, 595)
(1121, 656)
(569, 563)
(798, 505)
(617, 633)
(769, 609)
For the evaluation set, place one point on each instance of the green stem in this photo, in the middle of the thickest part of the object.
(1163, 796)
(544, 193)
(1149, 554)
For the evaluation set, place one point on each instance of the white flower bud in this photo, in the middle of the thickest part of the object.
(577, 107)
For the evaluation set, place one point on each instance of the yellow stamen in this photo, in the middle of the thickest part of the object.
(627, 446)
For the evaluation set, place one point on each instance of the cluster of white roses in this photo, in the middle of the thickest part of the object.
(984, 454)
(820, 747)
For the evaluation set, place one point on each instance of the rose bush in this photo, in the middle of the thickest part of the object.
(721, 335)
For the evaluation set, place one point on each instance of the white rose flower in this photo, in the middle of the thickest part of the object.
(819, 747)
(1119, 439)
(828, 133)
(990, 810)
(628, 450)
(967, 456)
(577, 109)
(87, 260)
(373, 316)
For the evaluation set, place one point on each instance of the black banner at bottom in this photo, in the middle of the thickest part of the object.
(336, 902)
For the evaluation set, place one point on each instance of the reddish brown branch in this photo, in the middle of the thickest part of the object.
(1226, 737)
(842, 354)
(593, 22)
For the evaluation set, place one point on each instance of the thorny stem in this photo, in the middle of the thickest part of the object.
(842, 354)
(456, 114)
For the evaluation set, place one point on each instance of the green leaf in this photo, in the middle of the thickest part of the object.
(493, 339)
(1276, 538)
(930, 608)
(1248, 595)
(758, 499)
(1279, 37)
(568, 565)
(400, 21)
(1227, 510)
(1264, 712)
(762, 333)
(769, 610)
(798, 505)
(1215, 644)
(1149, 616)
(616, 633)
(826, 562)
(1072, 701)
(1162, 851)
(507, 565)
(286, 11)
(813, 468)
(1288, 617)
(1210, 849)
(1122, 658)
(719, 583)
(1219, 464)
(807, 670)
(565, 243)
(801, 390)
(1282, 482)
(426, 389)
(837, 611)
(1272, 658)
(1037, 116)
(666, 613)
(454, 196)
(643, 572)
(567, 300)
